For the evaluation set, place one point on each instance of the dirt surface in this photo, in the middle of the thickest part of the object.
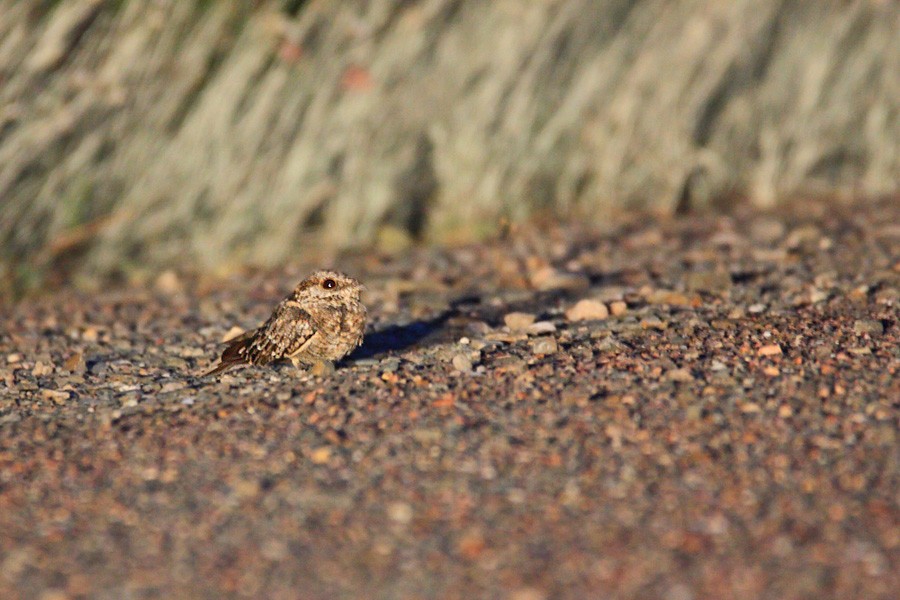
(688, 409)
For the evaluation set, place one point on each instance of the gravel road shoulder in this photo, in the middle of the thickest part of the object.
(704, 407)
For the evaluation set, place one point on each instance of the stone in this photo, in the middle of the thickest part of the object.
(518, 321)
(587, 310)
(708, 281)
(544, 345)
(769, 350)
(540, 328)
(868, 326)
(57, 396)
(320, 456)
(618, 308)
(168, 283)
(461, 362)
(400, 512)
(679, 375)
(40, 369)
(75, 363)
(548, 278)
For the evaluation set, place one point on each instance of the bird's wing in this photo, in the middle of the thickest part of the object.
(285, 333)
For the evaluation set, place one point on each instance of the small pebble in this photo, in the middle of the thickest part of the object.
(817, 295)
(693, 412)
(129, 400)
(40, 369)
(425, 435)
(868, 326)
(888, 295)
(671, 298)
(654, 323)
(544, 345)
(550, 279)
(518, 321)
(707, 281)
(767, 230)
(587, 310)
(321, 455)
(390, 365)
(618, 308)
(461, 362)
(171, 386)
(769, 350)
(400, 512)
(75, 363)
(168, 283)
(541, 327)
(679, 375)
(57, 396)
(512, 364)
(322, 368)
(527, 593)
(802, 235)
(365, 362)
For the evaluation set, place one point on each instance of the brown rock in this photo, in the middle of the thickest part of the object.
(769, 350)
(518, 321)
(321, 455)
(618, 308)
(57, 396)
(544, 345)
(168, 283)
(708, 281)
(680, 375)
(541, 327)
(868, 326)
(461, 362)
(672, 298)
(587, 310)
(549, 278)
(75, 363)
(40, 369)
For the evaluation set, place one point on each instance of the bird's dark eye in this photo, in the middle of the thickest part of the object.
(328, 284)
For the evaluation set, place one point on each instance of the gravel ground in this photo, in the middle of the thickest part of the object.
(698, 408)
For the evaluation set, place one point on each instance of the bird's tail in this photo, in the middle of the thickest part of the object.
(222, 366)
(234, 354)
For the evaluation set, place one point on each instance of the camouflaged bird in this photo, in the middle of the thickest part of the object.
(321, 321)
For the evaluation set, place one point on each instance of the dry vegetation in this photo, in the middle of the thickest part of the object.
(136, 135)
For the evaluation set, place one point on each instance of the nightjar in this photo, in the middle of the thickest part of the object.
(321, 321)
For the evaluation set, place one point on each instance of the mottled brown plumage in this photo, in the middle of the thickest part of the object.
(321, 321)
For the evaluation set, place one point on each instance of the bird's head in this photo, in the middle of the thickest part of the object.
(328, 285)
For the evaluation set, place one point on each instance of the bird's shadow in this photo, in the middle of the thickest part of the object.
(396, 338)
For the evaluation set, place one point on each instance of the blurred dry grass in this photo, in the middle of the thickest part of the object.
(140, 135)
